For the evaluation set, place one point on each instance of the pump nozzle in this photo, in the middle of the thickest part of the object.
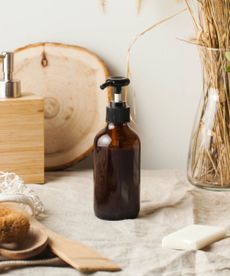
(117, 112)
(117, 83)
(9, 87)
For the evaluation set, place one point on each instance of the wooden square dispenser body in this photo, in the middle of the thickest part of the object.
(21, 128)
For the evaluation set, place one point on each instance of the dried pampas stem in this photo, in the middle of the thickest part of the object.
(134, 40)
(103, 4)
(197, 26)
(132, 43)
(139, 5)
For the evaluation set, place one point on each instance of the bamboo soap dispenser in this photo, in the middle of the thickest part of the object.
(21, 127)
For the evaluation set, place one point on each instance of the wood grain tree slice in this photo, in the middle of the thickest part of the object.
(68, 77)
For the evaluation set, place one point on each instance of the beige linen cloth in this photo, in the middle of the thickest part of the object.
(168, 203)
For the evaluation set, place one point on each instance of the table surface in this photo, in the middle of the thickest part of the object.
(168, 203)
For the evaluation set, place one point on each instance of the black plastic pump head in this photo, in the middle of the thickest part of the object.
(117, 112)
(117, 83)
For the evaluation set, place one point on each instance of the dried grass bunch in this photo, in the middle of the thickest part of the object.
(212, 22)
(209, 160)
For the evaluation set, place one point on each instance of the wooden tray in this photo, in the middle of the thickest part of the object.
(68, 77)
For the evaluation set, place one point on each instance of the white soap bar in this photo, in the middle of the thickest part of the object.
(193, 237)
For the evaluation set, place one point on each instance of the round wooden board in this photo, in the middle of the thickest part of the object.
(68, 77)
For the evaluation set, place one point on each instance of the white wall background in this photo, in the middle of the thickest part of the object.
(165, 71)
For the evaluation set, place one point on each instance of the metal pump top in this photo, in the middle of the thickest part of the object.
(9, 88)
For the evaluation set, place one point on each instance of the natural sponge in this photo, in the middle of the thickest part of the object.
(14, 226)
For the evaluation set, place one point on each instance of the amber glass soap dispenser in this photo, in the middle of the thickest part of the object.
(117, 161)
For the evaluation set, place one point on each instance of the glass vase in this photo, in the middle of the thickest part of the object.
(209, 153)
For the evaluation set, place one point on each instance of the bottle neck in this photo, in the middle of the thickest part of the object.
(116, 125)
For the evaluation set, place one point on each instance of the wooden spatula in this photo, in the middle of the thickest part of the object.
(79, 256)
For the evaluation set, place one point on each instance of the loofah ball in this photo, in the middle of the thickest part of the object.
(14, 226)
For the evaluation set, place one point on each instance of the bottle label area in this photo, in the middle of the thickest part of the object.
(117, 182)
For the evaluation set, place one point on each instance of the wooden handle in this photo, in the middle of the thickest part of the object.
(79, 256)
